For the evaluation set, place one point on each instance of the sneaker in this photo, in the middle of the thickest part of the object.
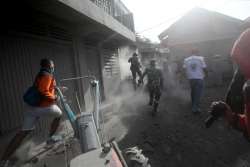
(53, 139)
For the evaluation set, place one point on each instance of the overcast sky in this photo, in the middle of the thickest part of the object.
(154, 16)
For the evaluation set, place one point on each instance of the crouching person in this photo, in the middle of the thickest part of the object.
(238, 96)
(41, 102)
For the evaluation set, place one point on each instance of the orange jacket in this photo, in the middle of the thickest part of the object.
(45, 84)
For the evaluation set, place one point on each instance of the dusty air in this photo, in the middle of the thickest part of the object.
(125, 83)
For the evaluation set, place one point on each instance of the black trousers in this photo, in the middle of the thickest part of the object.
(135, 70)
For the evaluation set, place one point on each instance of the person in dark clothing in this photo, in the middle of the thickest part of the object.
(234, 96)
(154, 85)
(135, 68)
(236, 107)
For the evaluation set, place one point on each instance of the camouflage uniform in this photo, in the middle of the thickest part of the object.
(154, 85)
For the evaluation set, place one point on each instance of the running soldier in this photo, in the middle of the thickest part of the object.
(154, 85)
(135, 68)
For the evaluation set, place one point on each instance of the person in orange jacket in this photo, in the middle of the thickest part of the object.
(45, 84)
(236, 108)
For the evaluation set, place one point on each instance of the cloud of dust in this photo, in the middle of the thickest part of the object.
(24, 152)
(124, 67)
(175, 82)
(125, 94)
(123, 91)
(119, 108)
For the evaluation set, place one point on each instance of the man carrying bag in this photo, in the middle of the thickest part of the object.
(41, 102)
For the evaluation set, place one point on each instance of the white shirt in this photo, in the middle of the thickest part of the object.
(194, 66)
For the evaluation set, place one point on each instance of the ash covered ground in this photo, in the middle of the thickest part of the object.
(173, 138)
(176, 137)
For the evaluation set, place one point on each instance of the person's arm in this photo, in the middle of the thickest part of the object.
(204, 66)
(138, 62)
(183, 69)
(143, 75)
(130, 59)
(43, 86)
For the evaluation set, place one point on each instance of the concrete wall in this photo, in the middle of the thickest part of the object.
(33, 35)
(110, 71)
(89, 9)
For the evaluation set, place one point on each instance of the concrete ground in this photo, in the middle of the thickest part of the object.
(35, 153)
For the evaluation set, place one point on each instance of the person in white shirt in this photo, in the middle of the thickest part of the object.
(195, 68)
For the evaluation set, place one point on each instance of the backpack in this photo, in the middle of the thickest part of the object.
(32, 96)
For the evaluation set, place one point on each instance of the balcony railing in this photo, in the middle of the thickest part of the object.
(118, 10)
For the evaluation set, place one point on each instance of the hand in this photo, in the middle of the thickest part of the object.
(63, 88)
(140, 81)
(56, 98)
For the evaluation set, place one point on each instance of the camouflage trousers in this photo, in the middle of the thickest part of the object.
(154, 93)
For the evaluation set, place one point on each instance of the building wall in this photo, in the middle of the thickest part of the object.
(20, 53)
(88, 64)
(110, 71)
(52, 29)
(92, 11)
(20, 56)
